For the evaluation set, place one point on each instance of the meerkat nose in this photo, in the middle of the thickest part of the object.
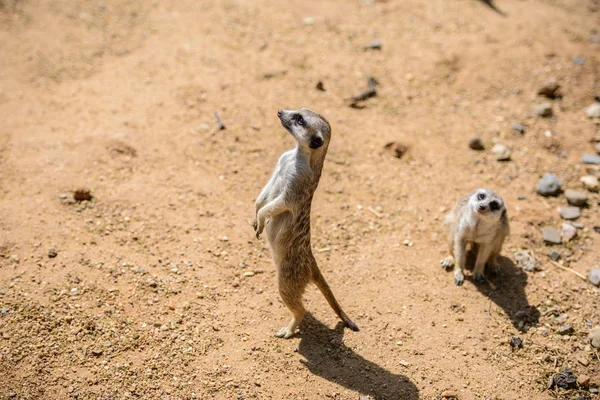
(279, 113)
(481, 207)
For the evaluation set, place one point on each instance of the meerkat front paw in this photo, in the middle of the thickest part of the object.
(459, 278)
(285, 333)
(447, 262)
(478, 278)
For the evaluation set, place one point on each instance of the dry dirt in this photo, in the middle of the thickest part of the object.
(159, 288)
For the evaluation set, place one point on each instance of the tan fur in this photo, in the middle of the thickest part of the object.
(285, 204)
(473, 225)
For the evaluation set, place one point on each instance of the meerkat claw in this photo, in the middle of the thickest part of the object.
(284, 333)
(479, 279)
(447, 262)
(459, 278)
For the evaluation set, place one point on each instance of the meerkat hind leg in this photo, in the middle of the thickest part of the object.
(482, 257)
(292, 298)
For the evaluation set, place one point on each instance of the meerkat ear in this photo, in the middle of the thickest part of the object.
(316, 141)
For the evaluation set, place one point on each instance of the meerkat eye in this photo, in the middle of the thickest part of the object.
(300, 120)
(481, 196)
(494, 205)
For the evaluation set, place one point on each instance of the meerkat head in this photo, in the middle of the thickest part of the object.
(487, 204)
(310, 129)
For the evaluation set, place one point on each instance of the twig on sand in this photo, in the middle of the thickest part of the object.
(567, 269)
(219, 122)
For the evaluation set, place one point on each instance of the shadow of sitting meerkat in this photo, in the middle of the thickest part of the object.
(328, 357)
(507, 291)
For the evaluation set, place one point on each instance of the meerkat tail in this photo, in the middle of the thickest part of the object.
(319, 280)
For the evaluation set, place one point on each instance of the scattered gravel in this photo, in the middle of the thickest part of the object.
(543, 110)
(549, 185)
(476, 143)
(551, 236)
(525, 260)
(590, 182)
(570, 212)
(589, 158)
(567, 232)
(594, 276)
(576, 198)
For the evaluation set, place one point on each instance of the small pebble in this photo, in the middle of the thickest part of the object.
(543, 110)
(501, 152)
(525, 260)
(593, 111)
(476, 143)
(576, 198)
(589, 158)
(567, 232)
(549, 90)
(551, 236)
(594, 276)
(570, 212)
(554, 255)
(519, 128)
(578, 60)
(566, 330)
(449, 394)
(308, 21)
(594, 337)
(590, 182)
(82, 195)
(52, 253)
(515, 342)
(549, 185)
(374, 45)
(583, 380)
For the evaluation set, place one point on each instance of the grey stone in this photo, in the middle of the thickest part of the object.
(578, 60)
(590, 182)
(594, 336)
(374, 45)
(501, 152)
(576, 198)
(3, 310)
(567, 232)
(549, 185)
(519, 128)
(570, 212)
(543, 110)
(476, 143)
(566, 330)
(554, 255)
(549, 89)
(593, 111)
(52, 253)
(589, 158)
(551, 236)
(525, 260)
(594, 276)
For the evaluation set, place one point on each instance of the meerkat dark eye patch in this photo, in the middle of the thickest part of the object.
(481, 196)
(494, 206)
(299, 120)
(316, 142)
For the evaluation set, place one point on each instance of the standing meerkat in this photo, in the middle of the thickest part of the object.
(478, 221)
(286, 201)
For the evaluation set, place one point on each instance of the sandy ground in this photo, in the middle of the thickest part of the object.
(159, 288)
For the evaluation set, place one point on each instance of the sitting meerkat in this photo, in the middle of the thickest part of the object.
(283, 209)
(478, 221)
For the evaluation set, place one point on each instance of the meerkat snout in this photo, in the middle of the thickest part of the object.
(306, 126)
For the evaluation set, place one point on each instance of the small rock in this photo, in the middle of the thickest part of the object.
(590, 182)
(515, 342)
(501, 152)
(567, 232)
(589, 158)
(519, 128)
(449, 394)
(565, 379)
(525, 260)
(398, 150)
(11, 395)
(583, 380)
(404, 363)
(248, 274)
(549, 185)
(593, 111)
(566, 330)
(476, 143)
(554, 255)
(594, 391)
(583, 361)
(320, 86)
(549, 90)
(578, 60)
(594, 277)
(52, 253)
(576, 198)
(374, 45)
(570, 212)
(82, 195)
(97, 352)
(3, 310)
(543, 110)
(551, 236)
(308, 21)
